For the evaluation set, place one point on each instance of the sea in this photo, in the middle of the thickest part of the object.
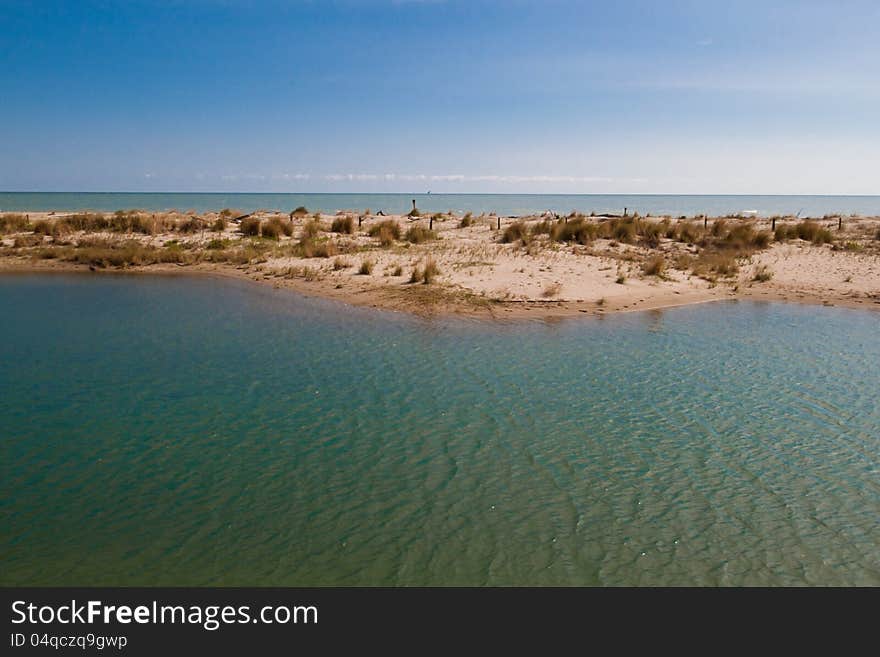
(502, 204)
(183, 430)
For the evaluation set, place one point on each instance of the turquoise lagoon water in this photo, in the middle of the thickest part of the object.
(504, 204)
(193, 431)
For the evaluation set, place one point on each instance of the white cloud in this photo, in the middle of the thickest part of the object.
(462, 178)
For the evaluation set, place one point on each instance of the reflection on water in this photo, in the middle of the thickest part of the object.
(197, 431)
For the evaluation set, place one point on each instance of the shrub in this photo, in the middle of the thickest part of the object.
(387, 231)
(761, 239)
(419, 234)
(191, 225)
(13, 223)
(651, 234)
(689, 233)
(341, 263)
(23, 241)
(366, 267)
(655, 266)
(808, 231)
(515, 232)
(398, 271)
(738, 237)
(219, 224)
(270, 230)
(577, 231)
(623, 230)
(250, 226)
(44, 228)
(430, 272)
(343, 225)
(544, 227)
(275, 227)
(216, 245)
(723, 264)
(86, 221)
(326, 249)
(424, 275)
(466, 220)
(310, 229)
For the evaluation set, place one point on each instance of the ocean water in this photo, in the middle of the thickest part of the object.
(504, 204)
(197, 431)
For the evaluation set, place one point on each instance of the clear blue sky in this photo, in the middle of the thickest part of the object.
(451, 96)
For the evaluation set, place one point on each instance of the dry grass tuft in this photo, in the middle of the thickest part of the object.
(419, 234)
(13, 223)
(654, 266)
(250, 227)
(552, 290)
(387, 231)
(343, 225)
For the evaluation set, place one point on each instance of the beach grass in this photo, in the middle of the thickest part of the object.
(343, 225)
(419, 234)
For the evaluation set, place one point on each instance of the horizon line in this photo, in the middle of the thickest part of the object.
(412, 193)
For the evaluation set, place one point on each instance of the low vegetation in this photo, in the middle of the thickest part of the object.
(419, 234)
(13, 223)
(425, 274)
(387, 232)
(808, 231)
(654, 266)
(719, 250)
(343, 225)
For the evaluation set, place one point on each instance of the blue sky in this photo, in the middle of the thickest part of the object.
(451, 96)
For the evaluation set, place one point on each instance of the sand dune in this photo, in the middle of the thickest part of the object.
(533, 266)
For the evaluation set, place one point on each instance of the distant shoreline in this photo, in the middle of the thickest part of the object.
(543, 266)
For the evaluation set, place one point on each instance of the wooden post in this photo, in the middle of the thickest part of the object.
(773, 223)
(360, 220)
(624, 211)
(499, 222)
(414, 204)
(840, 222)
(705, 221)
(431, 223)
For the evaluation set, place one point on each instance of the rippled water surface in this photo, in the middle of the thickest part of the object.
(505, 204)
(164, 430)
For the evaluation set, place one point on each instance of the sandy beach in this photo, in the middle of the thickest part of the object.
(486, 265)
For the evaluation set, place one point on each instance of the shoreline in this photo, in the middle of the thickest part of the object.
(542, 267)
(496, 310)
